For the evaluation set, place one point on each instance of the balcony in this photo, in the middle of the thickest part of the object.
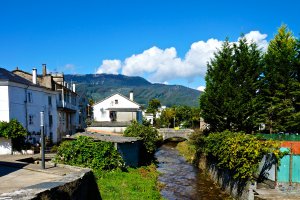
(66, 106)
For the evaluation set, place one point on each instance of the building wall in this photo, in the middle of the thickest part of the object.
(4, 105)
(27, 109)
(126, 116)
(99, 109)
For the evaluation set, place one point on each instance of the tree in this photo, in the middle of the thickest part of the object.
(280, 84)
(248, 65)
(153, 106)
(215, 101)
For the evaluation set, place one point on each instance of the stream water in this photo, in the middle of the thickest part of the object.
(182, 180)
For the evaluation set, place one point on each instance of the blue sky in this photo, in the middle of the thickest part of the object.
(164, 41)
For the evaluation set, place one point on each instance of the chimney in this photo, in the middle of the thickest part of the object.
(131, 95)
(74, 87)
(44, 69)
(34, 76)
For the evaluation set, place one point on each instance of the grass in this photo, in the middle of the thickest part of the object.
(139, 183)
(187, 150)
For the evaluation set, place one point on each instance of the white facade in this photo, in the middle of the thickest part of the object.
(124, 109)
(24, 103)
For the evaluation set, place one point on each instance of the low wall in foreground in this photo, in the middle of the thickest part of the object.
(74, 186)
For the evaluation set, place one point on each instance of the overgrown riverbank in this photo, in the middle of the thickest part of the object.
(139, 183)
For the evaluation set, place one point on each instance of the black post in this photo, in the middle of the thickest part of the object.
(42, 140)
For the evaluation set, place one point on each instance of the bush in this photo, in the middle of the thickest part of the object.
(148, 134)
(12, 129)
(238, 152)
(85, 152)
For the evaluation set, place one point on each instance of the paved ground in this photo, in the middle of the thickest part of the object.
(15, 175)
(273, 194)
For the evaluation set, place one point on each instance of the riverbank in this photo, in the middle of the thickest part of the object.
(188, 151)
(135, 183)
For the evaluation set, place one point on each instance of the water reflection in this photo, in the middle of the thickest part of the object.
(181, 180)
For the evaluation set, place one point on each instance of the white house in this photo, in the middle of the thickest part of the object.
(23, 100)
(117, 108)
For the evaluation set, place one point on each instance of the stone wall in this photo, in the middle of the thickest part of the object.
(5, 146)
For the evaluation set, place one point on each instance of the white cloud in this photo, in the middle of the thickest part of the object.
(201, 88)
(160, 65)
(258, 38)
(109, 67)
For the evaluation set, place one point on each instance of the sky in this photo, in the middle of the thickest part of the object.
(164, 41)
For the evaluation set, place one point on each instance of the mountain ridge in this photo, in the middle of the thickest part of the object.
(100, 86)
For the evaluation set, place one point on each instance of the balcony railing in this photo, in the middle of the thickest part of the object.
(63, 104)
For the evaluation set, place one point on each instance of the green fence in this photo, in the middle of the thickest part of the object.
(281, 137)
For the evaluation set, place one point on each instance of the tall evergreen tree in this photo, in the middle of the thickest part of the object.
(247, 68)
(215, 102)
(278, 89)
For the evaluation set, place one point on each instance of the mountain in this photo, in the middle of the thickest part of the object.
(100, 86)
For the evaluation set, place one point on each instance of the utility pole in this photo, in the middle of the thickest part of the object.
(42, 140)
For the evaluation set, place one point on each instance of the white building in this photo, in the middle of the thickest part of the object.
(67, 104)
(117, 108)
(23, 100)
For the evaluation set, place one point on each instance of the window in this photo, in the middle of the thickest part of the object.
(59, 97)
(49, 100)
(29, 97)
(30, 120)
(116, 101)
(50, 121)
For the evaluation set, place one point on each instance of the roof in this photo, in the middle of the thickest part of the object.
(9, 76)
(121, 96)
(106, 138)
(123, 109)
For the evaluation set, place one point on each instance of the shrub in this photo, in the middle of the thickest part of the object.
(148, 134)
(12, 129)
(238, 152)
(85, 152)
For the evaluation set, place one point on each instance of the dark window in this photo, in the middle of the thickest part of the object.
(116, 101)
(29, 97)
(59, 97)
(49, 100)
(50, 120)
(30, 119)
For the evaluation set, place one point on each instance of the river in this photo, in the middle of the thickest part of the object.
(182, 180)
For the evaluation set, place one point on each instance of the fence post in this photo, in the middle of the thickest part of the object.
(291, 166)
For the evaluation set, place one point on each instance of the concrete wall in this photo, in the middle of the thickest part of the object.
(5, 146)
(107, 129)
(238, 190)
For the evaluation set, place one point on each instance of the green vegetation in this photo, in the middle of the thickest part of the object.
(12, 129)
(184, 116)
(85, 152)
(246, 87)
(140, 183)
(100, 86)
(148, 134)
(239, 153)
(114, 180)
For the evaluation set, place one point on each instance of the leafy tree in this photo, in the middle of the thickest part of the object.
(280, 85)
(153, 106)
(167, 117)
(148, 134)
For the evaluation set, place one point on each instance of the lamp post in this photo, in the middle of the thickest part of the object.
(42, 140)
